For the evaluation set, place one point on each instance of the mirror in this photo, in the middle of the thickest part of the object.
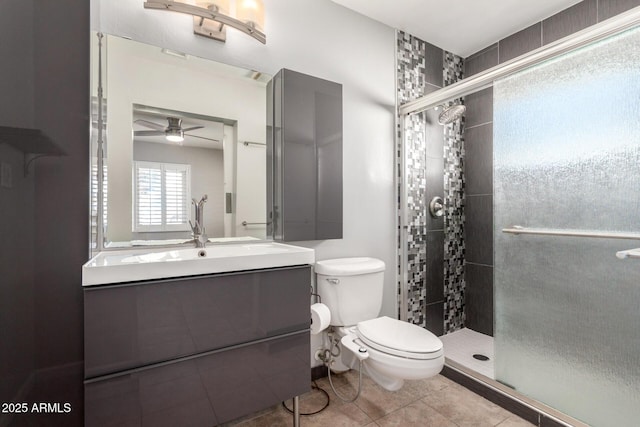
(176, 128)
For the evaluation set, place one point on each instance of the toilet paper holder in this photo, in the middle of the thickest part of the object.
(314, 294)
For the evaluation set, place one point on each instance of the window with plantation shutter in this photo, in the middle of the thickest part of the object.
(94, 201)
(162, 195)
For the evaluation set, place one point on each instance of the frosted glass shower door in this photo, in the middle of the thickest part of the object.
(567, 157)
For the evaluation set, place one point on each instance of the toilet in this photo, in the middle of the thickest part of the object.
(392, 350)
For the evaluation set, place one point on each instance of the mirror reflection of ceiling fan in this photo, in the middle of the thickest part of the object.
(173, 132)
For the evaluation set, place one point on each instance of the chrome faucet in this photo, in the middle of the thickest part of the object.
(197, 230)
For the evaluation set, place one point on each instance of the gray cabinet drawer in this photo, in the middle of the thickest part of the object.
(146, 323)
(205, 390)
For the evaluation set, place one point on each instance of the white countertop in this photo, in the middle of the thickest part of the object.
(148, 264)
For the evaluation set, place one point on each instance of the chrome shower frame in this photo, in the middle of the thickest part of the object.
(477, 82)
(485, 79)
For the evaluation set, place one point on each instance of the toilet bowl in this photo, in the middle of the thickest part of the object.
(397, 351)
(391, 350)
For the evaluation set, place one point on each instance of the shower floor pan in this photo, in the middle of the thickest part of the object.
(461, 346)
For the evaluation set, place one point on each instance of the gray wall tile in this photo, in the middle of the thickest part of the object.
(481, 61)
(481, 51)
(434, 188)
(435, 266)
(434, 314)
(521, 42)
(479, 229)
(433, 65)
(478, 164)
(610, 8)
(479, 107)
(434, 135)
(569, 21)
(479, 298)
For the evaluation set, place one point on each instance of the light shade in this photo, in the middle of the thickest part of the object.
(251, 12)
(174, 135)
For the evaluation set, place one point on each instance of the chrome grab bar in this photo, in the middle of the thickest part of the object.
(518, 229)
(245, 223)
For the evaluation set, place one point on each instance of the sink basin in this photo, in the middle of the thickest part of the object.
(135, 265)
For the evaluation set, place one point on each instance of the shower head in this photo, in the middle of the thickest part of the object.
(451, 114)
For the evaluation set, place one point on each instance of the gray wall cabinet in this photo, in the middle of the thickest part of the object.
(202, 350)
(304, 157)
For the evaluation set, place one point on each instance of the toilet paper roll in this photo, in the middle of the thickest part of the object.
(320, 318)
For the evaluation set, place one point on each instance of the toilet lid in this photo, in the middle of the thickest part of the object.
(399, 338)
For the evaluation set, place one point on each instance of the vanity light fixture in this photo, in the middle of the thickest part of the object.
(211, 17)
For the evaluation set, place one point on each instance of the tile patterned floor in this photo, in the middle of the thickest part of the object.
(436, 401)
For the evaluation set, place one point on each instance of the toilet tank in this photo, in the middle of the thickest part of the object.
(351, 288)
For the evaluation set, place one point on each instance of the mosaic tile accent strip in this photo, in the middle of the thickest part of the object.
(453, 68)
(416, 181)
(411, 62)
(454, 246)
(411, 83)
(411, 67)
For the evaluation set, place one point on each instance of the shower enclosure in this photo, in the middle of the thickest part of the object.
(566, 219)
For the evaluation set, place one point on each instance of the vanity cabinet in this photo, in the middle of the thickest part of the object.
(304, 157)
(196, 351)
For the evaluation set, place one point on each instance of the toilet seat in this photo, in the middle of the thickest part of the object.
(398, 338)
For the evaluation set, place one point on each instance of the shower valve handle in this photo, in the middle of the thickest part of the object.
(436, 207)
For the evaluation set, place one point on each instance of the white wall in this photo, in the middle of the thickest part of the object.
(320, 38)
(250, 192)
(228, 143)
